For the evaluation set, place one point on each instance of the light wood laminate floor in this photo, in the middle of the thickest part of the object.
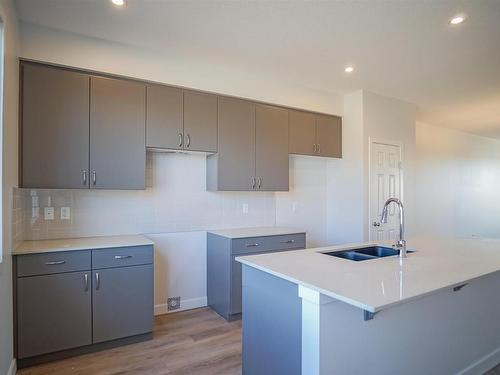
(190, 342)
(195, 342)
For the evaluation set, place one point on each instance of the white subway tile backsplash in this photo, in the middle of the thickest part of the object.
(175, 200)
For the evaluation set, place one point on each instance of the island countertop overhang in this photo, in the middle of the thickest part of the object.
(375, 285)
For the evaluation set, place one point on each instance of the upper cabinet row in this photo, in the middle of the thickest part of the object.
(82, 130)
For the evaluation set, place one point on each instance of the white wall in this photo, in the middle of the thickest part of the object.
(9, 178)
(457, 183)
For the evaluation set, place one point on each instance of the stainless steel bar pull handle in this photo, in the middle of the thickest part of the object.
(86, 278)
(319, 148)
(180, 139)
(84, 172)
(260, 182)
(252, 244)
(253, 182)
(288, 241)
(188, 140)
(314, 148)
(123, 256)
(94, 177)
(97, 281)
(55, 263)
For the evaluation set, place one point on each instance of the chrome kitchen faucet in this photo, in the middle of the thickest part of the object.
(401, 243)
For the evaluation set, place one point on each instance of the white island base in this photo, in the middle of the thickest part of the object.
(295, 327)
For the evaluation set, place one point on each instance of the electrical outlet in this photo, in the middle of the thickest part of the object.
(48, 213)
(245, 208)
(173, 303)
(65, 213)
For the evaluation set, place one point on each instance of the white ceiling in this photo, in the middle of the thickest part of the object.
(403, 49)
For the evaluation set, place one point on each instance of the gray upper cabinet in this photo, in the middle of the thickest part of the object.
(122, 302)
(315, 134)
(329, 136)
(233, 167)
(164, 125)
(302, 137)
(54, 128)
(53, 313)
(271, 153)
(200, 121)
(117, 134)
(252, 148)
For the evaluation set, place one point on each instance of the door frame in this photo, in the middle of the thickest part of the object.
(383, 141)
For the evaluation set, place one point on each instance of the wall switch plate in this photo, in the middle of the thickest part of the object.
(48, 213)
(245, 208)
(65, 213)
(173, 303)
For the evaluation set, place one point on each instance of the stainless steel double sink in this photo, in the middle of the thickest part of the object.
(366, 253)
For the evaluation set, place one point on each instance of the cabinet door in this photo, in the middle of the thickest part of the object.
(53, 313)
(164, 117)
(122, 302)
(55, 128)
(200, 121)
(271, 148)
(329, 136)
(236, 145)
(117, 134)
(302, 133)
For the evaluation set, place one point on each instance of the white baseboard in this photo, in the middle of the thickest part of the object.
(186, 304)
(484, 364)
(13, 367)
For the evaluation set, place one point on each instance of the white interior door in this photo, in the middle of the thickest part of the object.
(385, 182)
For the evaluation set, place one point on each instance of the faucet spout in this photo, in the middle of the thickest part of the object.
(401, 243)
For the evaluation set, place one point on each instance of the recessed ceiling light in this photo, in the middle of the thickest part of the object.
(349, 69)
(119, 3)
(458, 19)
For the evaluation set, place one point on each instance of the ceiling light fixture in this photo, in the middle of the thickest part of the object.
(119, 3)
(349, 69)
(458, 19)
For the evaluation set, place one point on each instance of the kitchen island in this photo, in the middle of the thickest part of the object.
(435, 312)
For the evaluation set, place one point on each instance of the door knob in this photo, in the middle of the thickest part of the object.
(376, 224)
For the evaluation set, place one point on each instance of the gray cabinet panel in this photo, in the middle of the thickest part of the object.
(200, 121)
(122, 256)
(224, 272)
(164, 124)
(329, 135)
(271, 153)
(53, 313)
(56, 262)
(55, 128)
(117, 134)
(235, 160)
(122, 302)
(302, 133)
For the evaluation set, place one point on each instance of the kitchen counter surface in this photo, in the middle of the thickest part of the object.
(83, 243)
(255, 232)
(377, 284)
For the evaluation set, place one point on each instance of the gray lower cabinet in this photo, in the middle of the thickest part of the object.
(224, 272)
(122, 302)
(68, 300)
(53, 313)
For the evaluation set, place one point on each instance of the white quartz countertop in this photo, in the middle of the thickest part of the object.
(83, 243)
(255, 232)
(377, 284)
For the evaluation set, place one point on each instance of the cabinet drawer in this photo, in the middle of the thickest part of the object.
(122, 257)
(56, 262)
(270, 243)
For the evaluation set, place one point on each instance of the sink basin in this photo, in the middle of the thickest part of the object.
(378, 251)
(351, 255)
(366, 253)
